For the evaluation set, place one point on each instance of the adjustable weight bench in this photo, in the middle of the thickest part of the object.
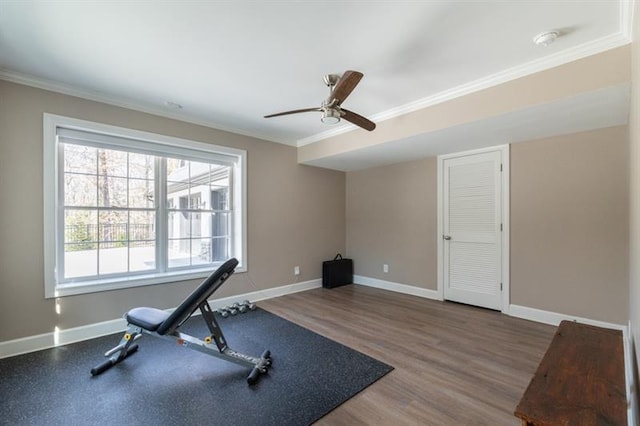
(160, 323)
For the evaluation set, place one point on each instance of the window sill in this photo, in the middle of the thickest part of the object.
(84, 287)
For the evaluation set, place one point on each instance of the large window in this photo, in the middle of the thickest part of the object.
(126, 208)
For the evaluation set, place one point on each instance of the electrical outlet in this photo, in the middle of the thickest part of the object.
(385, 268)
(296, 270)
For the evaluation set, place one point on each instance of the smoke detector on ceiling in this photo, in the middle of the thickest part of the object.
(546, 38)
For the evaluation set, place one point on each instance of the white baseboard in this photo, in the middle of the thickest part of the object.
(91, 331)
(398, 288)
(270, 293)
(554, 318)
(60, 337)
(632, 400)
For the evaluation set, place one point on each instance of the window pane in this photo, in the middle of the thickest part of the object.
(220, 249)
(219, 178)
(209, 224)
(179, 225)
(80, 159)
(141, 166)
(113, 258)
(80, 190)
(80, 226)
(201, 237)
(195, 200)
(113, 225)
(199, 173)
(112, 163)
(200, 251)
(179, 252)
(141, 193)
(178, 184)
(177, 169)
(210, 250)
(197, 186)
(112, 191)
(142, 255)
(80, 260)
(142, 226)
(220, 197)
(199, 227)
(220, 224)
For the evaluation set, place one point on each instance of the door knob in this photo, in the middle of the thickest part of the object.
(446, 237)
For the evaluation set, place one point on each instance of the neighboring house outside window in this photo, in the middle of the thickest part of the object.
(126, 208)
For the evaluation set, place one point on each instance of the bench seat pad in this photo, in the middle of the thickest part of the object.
(147, 318)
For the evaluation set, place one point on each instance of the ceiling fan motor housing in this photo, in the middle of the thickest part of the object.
(331, 79)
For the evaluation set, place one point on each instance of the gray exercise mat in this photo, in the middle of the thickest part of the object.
(164, 384)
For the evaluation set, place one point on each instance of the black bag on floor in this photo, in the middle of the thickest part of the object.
(337, 272)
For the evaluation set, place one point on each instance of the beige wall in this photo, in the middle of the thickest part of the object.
(605, 69)
(296, 215)
(634, 137)
(569, 224)
(391, 218)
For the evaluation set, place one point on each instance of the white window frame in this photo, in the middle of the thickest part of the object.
(162, 145)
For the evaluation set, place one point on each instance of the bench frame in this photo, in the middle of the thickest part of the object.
(139, 322)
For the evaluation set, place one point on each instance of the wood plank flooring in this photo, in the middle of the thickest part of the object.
(454, 364)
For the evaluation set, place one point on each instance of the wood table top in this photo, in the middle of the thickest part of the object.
(580, 380)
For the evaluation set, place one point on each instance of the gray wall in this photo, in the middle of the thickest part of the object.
(569, 223)
(296, 215)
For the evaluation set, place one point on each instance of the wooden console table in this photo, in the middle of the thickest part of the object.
(580, 380)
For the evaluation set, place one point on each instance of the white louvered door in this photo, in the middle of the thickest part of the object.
(472, 229)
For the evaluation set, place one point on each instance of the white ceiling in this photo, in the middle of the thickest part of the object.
(229, 63)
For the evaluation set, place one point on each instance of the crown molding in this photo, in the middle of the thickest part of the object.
(621, 38)
(626, 18)
(66, 89)
(550, 61)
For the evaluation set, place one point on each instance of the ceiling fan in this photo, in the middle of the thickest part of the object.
(340, 87)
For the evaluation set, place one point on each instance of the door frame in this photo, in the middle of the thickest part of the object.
(505, 179)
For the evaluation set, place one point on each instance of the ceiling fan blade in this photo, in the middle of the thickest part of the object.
(295, 111)
(345, 85)
(358, 120)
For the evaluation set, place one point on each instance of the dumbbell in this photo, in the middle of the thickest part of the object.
(223, 312)
(249, 305)
(243, 308)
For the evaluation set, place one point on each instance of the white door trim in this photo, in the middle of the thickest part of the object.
(505, 178)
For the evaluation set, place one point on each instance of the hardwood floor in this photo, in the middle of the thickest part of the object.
(454, 364)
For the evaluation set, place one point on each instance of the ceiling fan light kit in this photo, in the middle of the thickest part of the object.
(330, 116)
(339, 88)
